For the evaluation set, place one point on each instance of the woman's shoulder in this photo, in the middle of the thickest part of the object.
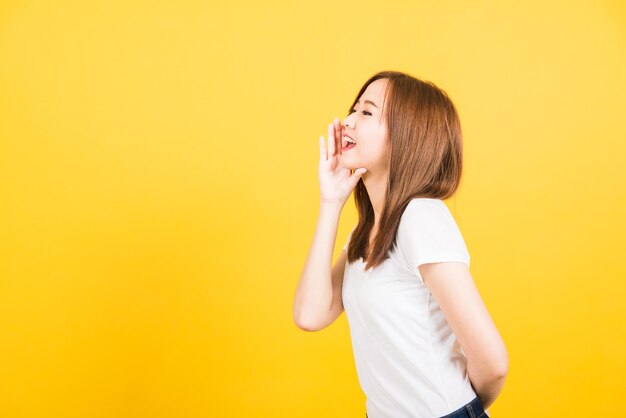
(421, 201)
(426, 212)
(425, 205)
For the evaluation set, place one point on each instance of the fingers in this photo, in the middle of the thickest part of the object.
(337, 135)
(334, 141)
(331, 140)
(358, 173)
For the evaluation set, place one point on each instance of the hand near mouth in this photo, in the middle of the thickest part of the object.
(336, 182)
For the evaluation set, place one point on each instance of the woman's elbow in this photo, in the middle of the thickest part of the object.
(494, 365)
(501, 365)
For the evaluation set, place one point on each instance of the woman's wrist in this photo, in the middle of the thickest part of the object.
(331, 207)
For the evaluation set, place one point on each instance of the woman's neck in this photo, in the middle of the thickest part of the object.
(376, 186)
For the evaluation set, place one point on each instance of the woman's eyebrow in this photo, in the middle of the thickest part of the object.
(371, 102)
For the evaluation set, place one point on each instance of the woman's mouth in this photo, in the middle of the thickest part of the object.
(347, 144)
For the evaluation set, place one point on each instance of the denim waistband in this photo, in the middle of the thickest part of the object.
(473, 409)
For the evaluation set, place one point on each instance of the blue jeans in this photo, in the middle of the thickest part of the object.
(473, 409)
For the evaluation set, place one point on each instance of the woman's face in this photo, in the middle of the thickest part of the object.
(366, 126)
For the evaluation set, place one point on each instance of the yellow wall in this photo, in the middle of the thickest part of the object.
(158, 196)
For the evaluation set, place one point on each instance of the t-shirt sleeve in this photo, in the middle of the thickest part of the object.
(428, 233)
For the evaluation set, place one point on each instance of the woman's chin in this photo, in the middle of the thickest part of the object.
(346, 163)
(349, 167)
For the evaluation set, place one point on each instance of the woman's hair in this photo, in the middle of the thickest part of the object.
(426, 159)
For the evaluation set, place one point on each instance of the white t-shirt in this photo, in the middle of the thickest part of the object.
(409, 363)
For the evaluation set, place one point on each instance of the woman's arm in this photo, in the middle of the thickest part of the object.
(489, 388)
(314, 294)
(452, 286)
(314, 306)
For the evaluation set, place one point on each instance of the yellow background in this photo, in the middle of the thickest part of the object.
(158, 185)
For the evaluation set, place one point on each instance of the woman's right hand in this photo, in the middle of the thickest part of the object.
(336, 182)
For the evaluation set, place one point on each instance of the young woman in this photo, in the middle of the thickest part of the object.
(424, 343)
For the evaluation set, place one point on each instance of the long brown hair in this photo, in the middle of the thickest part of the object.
(424, 133)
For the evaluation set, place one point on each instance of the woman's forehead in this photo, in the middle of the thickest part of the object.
(375, 93)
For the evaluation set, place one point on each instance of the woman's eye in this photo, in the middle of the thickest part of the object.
(365, 111)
